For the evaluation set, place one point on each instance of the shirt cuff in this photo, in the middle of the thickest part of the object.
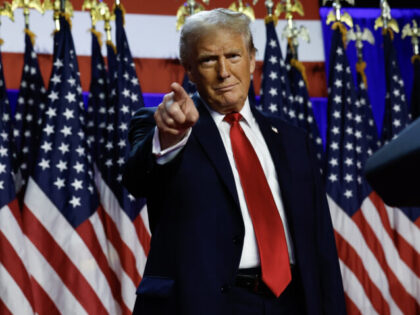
(167, 155)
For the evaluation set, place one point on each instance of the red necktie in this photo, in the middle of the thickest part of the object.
(268, 226)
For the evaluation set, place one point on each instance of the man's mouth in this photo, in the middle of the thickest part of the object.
(225, 88)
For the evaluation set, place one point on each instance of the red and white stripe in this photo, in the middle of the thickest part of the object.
(68, 265)
(15, 288)
(128, 241)
(379, 264)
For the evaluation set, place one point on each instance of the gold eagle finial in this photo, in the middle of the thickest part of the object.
(188, 8)
(336, 15)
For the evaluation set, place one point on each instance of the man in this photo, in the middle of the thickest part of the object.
(239, 220)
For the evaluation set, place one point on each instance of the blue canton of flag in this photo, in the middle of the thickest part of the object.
(415, 95)
(396, 112)
(63, 167)
(30, 105)
(128, 98)
(344, 134)
(98, 100)
(302, 104)
(7, 166)
(365, 110)
(275, 89)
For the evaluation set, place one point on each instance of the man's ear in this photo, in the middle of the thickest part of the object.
(252, 62)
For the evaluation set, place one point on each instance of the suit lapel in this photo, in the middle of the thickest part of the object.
(207, 134)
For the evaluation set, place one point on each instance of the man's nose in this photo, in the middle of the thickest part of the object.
(223, 71)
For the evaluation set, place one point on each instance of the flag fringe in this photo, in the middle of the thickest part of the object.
(301, 68)
(98, 35)
(343, 31)
(360, 68)
(31, 35)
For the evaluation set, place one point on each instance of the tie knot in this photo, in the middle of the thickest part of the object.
(232, 118)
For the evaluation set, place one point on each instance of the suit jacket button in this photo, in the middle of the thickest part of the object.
(236, 240)
(225, 288)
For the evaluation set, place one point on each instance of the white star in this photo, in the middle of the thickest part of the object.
(44, 164)
(273, 75)
(126, 93)
(66, 131)
(348, 194)
(62, 165)
(68, 113)
(348, 178)
(273, 107)
(273, 92)
(71, 81)
(335, 130)
(75, 201)
(273, 43)
(125, 109)
(77, 184)
(339, 51)
(59, 183)
(49, 129)
(1, 184)
(47, 146)
(80, 151)
(58, 63)
(339, 67)
(337, 114)
(349, 146)
(78, 167)
(56, 79)
(333, 162)
(333, 177)
(63, 148)
(337, 99)
(334, 146)
(134, 97)
(396, 108)
(2, 168)
(71, 97)
(273, 59)
(3, 151)
(397, 123)
(349, 162)
(53, 96)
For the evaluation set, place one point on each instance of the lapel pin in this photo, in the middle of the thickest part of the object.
(274, 129)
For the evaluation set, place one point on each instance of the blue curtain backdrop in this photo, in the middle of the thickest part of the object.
(374, 55)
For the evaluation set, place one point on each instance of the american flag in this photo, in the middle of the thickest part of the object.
(15, 290)
(65, 244)
(302, 105)
(30, 104)
(365, 109)
(125, 220)
(378, 246)
(415, 95)
(98, 99)
(276, 97)
(396, 111)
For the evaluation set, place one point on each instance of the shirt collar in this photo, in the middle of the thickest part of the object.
(245, 112)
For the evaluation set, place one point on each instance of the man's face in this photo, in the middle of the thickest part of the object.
(221, 67)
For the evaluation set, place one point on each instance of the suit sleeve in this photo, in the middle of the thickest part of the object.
(139, 167)
(333, 302)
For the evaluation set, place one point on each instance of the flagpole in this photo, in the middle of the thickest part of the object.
(62, 6)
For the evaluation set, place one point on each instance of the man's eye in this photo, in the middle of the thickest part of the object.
(234, 56)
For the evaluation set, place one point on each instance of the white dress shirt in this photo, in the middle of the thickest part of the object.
(250, 256)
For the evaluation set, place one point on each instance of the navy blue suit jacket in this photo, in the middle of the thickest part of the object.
(197, 227)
